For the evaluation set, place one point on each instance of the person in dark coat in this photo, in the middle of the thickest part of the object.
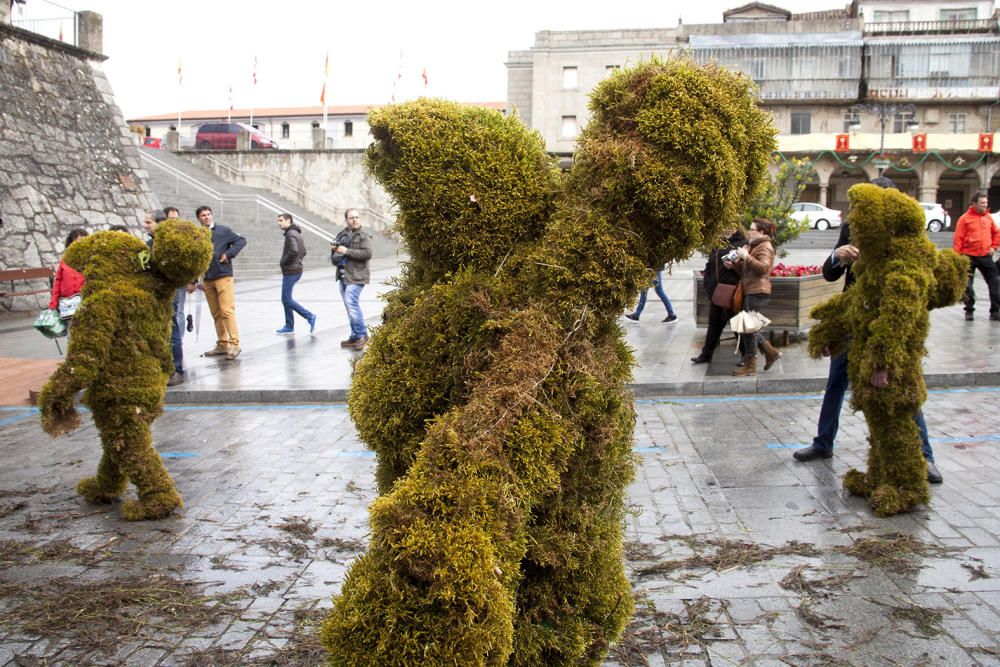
(715, 273)
(291, 271)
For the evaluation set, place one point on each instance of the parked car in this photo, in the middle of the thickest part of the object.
(937, 217)
(152, 142)
(215, 136)
(819, 217)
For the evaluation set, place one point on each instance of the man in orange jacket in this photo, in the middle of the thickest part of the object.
(975, 237)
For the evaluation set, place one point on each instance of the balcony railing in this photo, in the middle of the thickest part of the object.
(931, 27)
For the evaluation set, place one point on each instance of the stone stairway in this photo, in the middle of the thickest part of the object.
(241, 208)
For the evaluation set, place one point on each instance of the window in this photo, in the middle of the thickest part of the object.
(956, 123)
(756, 71)
(801, 121)
(568, 129)
(964, 14)
(348, 128)
(886, 16)
(570, 80)
(611, 69)
(851, 118)
(902, 121)
(286, 130)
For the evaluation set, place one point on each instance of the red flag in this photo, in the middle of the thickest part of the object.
(920, 142)
(326, 75)
(180, 73)
(843, 143)
(255, 70)
(986, 142)
(424, 77)
(60, 32)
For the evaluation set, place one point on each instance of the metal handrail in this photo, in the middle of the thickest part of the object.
(282, 183)
(242, 174)
(222, 198)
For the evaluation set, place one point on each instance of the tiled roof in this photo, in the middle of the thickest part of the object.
(282, 112)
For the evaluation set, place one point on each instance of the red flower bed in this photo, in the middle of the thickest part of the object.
(782, 271)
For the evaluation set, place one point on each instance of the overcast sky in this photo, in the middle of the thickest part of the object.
(463, 45)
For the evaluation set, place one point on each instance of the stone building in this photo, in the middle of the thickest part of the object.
(66, 157)
(911, 88)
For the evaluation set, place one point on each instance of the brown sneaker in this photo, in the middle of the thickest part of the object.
(175, 379)
(217, 351)
(233, 353)
(361, 342)
(349, 342)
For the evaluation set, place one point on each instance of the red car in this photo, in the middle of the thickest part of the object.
(223, 136)
(152, 142)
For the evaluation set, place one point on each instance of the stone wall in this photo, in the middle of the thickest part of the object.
(66, 157)
(329, 180)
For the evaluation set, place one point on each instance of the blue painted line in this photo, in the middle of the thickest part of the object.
(992, 437)
(15, 408)
(255, 407)
(750, 398)
(7, 421)
(643, 450)
(356, 454)
(178, 455)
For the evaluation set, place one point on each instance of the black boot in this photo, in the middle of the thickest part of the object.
(701, 359)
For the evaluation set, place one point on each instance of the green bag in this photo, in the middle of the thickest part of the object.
(49, 323)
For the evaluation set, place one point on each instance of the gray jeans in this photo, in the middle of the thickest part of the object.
(755, 302)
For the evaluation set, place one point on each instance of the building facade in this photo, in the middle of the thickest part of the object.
(910, 88)
(291, 127)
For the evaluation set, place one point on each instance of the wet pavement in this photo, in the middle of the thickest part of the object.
(738, 554)
(312, 367)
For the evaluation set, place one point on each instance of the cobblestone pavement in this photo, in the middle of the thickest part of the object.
(738, 554)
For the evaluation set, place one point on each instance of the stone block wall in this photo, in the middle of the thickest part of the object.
(66, 157)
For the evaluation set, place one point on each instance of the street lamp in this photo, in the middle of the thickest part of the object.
(884, 110)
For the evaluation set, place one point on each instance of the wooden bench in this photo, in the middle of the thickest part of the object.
(14, 275)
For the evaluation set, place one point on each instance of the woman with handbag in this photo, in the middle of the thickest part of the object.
(724, 280)
(755, 261)
(67, 284)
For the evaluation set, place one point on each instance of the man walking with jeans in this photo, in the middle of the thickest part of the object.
(218, 283)
(975, 237)
(350, 254)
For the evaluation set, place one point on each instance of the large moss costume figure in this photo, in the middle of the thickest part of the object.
(883, 321)
(494, 393)
(119, 352)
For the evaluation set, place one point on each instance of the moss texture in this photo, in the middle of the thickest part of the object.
(119, 352)
(883, 322)
(494, 392)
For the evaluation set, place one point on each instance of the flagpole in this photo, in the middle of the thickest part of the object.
(253, 97)
(326, 78)
(180, 85)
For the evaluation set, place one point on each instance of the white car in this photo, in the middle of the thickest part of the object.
(937, 217)
(819, 217)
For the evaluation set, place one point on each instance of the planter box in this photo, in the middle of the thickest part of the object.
(791, 301)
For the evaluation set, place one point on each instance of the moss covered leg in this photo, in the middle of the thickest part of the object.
(127, 438)
(897, 471)
(108, 485)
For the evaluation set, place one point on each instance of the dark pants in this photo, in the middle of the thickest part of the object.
(754, 302)
(837, 383)
(717, 319)
(988, 269)
(291, 305)
(177, 330)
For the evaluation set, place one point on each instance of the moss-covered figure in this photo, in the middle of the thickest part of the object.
(494, 393)
(120, 353)
(883, 321)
